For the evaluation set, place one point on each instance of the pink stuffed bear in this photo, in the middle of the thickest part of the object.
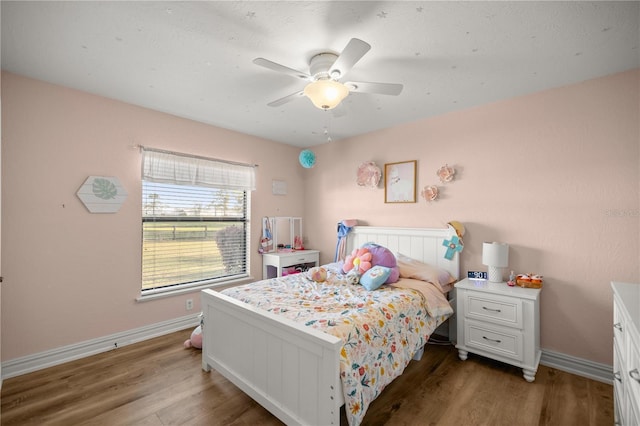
(359, 259)
(196, 339)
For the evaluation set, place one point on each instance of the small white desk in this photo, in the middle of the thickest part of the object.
(279, 260)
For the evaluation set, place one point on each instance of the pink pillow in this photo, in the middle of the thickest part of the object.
(412, 268)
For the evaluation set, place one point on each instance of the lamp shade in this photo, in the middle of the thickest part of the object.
(326, 94)
(495, 256)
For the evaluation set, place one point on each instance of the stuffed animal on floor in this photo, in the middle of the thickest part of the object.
(195, 341)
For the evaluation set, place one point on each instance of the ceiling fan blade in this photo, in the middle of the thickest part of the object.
(352, 53)
(392, 89)
(286, 99)
(281, 68)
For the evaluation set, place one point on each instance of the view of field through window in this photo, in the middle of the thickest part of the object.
(191, 234)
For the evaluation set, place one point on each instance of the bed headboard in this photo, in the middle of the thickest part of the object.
(423, 244)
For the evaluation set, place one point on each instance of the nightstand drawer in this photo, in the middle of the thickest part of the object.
(506, 311)
(507, 343)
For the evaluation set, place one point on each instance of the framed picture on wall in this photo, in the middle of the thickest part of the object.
(400, 182)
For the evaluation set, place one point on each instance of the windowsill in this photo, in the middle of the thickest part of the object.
(160, 294)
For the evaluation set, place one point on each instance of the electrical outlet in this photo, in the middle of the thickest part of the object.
(189, 304)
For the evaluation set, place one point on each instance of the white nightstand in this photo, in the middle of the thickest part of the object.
(499, 322)
(272, 263)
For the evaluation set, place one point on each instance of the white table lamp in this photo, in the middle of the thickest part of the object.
(495, 256)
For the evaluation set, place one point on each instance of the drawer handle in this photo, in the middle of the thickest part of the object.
(492, 310)
(498, 341)
(635, 375)
(617, 376)
(618, 326)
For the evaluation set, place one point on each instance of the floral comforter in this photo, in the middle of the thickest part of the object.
(381, 329)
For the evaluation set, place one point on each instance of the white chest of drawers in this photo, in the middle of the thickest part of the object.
(499, 322)
(626, 353)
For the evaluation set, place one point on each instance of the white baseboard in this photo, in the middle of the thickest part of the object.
(30, 363)
(16, 367)
(567, 363)
(578, 366)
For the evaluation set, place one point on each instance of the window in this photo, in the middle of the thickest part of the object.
(195, 221)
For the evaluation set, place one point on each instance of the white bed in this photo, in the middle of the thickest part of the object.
(290, 369)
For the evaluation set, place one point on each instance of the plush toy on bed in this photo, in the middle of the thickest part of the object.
(359, 259)
(353, 276)
(318, 274)
(382, 256)
(195, 341)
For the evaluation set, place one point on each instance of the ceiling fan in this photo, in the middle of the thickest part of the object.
(325, 89)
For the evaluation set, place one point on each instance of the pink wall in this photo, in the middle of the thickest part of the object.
(554, 174)
(71, 276)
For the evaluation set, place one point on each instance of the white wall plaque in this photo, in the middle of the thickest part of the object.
(102, 194)
(279, 187)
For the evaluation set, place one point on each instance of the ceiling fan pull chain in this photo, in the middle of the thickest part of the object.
(326, 133)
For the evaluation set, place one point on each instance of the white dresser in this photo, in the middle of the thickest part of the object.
(626, 353)
(499, 322)
(273, 263)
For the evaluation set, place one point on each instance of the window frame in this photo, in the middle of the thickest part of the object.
(214, 282)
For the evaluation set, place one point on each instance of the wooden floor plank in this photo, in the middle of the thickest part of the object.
(158, 383)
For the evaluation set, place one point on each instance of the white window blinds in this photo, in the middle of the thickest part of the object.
(194, 221)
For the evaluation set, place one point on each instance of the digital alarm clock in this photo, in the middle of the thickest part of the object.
(477, 275)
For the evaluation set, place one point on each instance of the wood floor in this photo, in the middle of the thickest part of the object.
(158, 382)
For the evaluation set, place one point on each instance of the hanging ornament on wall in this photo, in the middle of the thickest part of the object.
(369, 174)
(446, 173)
(307, 159)
(430, 193)
(454, 246)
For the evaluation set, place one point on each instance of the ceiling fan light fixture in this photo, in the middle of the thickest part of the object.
(326, 94)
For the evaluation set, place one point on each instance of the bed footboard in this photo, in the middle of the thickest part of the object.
(291, 370)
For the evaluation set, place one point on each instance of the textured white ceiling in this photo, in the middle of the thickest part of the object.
(194, 59)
